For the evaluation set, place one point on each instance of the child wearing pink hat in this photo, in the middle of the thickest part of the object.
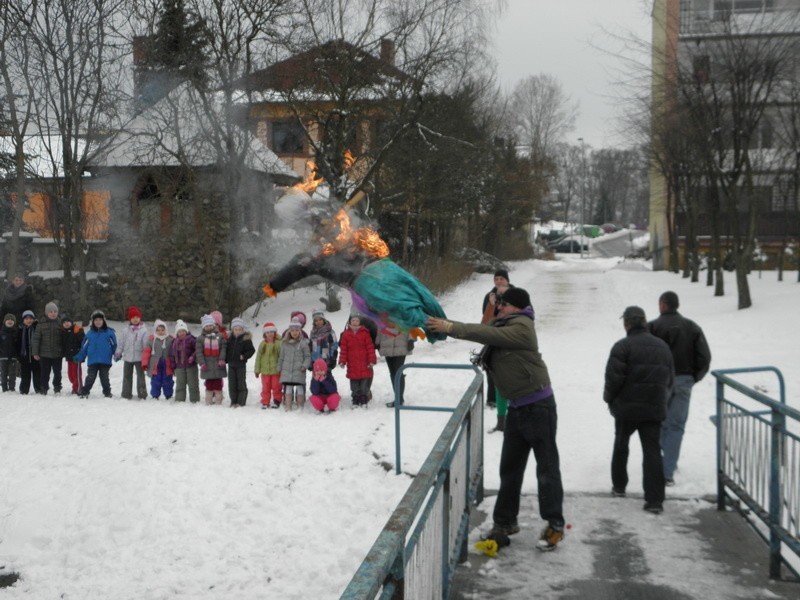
(324, 392)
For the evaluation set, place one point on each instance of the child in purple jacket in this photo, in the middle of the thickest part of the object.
(323, 388)
(182, 356)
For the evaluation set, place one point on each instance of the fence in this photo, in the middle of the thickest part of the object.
(415, 555)
(758, 461)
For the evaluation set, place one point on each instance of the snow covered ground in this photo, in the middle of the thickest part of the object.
(123, 499)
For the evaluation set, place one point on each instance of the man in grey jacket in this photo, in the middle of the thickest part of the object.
(511, 355)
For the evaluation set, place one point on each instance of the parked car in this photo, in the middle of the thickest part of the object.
(567, 245)
(591, 231)
(610, 227)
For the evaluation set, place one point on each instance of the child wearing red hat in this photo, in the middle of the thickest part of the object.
(131, 345)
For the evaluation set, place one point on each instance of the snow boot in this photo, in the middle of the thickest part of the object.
(209, 397)
(549, 538)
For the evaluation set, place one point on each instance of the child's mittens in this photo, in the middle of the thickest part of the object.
(257, 375)
(220, 363)
(204, 367)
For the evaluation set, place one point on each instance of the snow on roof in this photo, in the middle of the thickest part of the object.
(43, 153)
(176, 131)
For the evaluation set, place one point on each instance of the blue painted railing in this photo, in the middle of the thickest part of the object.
(758, 461)
(416, 554)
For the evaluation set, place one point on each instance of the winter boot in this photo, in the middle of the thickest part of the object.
(549, 538)
(300, 401)
(501, 424)
(209, 397)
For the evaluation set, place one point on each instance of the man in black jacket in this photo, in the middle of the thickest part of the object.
(639, 375)
(692, 359)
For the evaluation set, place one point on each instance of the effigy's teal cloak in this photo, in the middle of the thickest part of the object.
(395, 296)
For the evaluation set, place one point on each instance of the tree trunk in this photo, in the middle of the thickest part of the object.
(13, 266)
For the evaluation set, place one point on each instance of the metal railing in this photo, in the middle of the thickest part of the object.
(758, 461)
(416, 554)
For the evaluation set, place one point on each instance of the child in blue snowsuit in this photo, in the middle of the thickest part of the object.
(98, 350)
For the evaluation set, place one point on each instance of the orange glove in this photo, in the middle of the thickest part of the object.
(269, 291)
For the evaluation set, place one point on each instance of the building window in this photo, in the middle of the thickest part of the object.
(701, 68)
(288, 137)
(153, 215)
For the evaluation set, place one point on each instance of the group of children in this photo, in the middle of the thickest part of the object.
(176, 364)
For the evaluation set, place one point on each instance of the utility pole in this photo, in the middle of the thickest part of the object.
(583, 189)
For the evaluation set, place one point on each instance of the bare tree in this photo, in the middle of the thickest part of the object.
(17, 102)
(76, 77)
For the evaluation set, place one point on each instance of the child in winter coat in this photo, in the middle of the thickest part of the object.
(357, 353)
(9, 349)
(48, 349)
(155, 362)
(98, 350)
(131, 345)
(323, 388)
(210, 356)
(294, 360)
(323, 340)
(394, 345)
(267, 370)
(73, 340)
(182, 358)
(28, 365)
(240, 349)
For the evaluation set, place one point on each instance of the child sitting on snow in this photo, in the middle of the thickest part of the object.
(323, 388)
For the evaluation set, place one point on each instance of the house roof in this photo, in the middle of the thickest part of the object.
(176, 131)
(332, 64)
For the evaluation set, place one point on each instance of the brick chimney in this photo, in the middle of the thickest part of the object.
(387, 51)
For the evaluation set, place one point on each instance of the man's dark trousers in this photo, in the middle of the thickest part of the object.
(652, 466)
(532, 427)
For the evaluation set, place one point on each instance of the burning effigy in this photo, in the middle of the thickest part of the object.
(358, 260)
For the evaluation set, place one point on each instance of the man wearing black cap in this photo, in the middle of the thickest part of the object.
(639, 375)
(511, 355)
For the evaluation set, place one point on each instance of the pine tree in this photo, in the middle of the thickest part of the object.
(180, 43)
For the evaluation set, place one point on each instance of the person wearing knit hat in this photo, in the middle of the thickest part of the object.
(156, 363)
(182, 357)
(267, 369)
(180, 325)
(511, 354)
(217, 316)
(324, 393)
(9, 343)
(210, 356)
(48, 349)
(357, 354)
(28, 367)
(489, 311)
(240, 349)
(294, 361)
(73, 340)
(98, 350)
(324, 344)
(132, 343)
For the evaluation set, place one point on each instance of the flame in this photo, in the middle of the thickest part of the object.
(311, 182)
(363, 238)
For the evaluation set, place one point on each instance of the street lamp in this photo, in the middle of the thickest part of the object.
(583, 188)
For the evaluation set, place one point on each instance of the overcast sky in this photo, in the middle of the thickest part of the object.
(565, 38)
